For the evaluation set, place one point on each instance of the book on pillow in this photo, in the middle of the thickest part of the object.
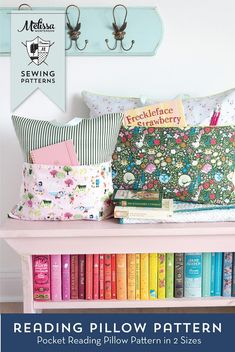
(56, 154)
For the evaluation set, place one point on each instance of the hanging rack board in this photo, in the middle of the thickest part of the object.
(144, 26)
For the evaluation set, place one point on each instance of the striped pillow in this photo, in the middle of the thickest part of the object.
(94, 139)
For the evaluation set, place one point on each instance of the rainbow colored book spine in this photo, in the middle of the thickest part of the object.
(74, 276)
(56, 282)
(101, 276)
(107, 277)
(66, 277)
(96, 276)
(169, 275)
(193, 275)
(121, 276)
(161, 275)
(218, 273)
(179, 275)
(227, 274)
(131, 270)
(212, 274)
(41, 277)
(153, 259)
(137, 276)
(89, 276)
(206, 274)
(144, 276)
(113, 276)
(81, 276)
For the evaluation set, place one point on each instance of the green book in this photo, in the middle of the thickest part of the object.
(206, 274)
(137, 198)
(170, 275)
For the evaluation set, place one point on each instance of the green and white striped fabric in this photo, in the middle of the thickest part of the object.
(94, 139)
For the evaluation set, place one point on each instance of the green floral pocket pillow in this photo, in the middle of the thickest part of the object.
(193, 164)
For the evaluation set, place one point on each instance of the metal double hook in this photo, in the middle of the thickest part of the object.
(74, 31)
(119, 31)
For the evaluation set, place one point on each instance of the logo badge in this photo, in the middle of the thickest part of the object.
(38, 50)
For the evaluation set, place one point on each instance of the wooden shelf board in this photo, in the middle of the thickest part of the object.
(165, 303)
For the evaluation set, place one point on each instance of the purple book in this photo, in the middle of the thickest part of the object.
(227, 274)
(81, 276)
(56, 282)
(66, 277)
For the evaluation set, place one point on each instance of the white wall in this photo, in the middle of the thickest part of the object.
(197, 57)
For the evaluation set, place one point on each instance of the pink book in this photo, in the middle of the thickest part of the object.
(56, 282)
(101, 276)
(96, 276)
(89, 276)
(66, 277)
(74, 276)
(56, 154)
(81, 276)
(41, 277)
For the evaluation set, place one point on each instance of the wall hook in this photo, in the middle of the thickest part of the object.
(74, 31)
(24, 5)
(119, 31)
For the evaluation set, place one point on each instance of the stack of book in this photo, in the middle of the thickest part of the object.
(145, 276)
(141, 205)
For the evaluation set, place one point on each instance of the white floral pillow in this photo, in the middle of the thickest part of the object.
(102, 104)
(198, 111)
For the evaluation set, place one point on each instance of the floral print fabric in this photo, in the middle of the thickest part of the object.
(194, 164)
(65, 192)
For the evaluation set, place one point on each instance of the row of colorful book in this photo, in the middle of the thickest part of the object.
(133, 276)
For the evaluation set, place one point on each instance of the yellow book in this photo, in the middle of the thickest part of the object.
(121, 276)
(153, 261)
(144, 276)
(131, 277)
(137, 276)
(161, 275)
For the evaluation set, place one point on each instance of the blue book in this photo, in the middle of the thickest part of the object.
(233, 287)
(212, 274)
(206, 274)
(193, 275)
(218, 273)
(227, 274)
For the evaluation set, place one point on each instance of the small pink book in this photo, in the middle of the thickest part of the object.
(56, 284)
(66, 277)
(56, 154)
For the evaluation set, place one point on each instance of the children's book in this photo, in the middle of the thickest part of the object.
(169, 275)
(227, 274)
(218, 273)
(113, 276)
(121, 276)
(179, 275)
(193, 275)
(144, 276)
(65, 277)
(212, 274)
(107, 276)
(131, 271)
(74, 276)
(161, 275)
(56, 283)
(81, 276)
(206, 274)
(153, 276)
(56, 154)
(137, 276)
(233, 284)
(101, 276)
(96, 276)
(41, 277)
(137, 198)
(89, 277)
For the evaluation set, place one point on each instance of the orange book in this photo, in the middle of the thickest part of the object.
(113, 276)
(131, 276)
(107, 276)
(121, 276)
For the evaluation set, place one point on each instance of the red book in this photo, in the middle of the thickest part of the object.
(96, 276)
(101, 276)
(81, 276)
(113, 276)
(107, 276)
(41, 277)
(89, 276)
(74, 276)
